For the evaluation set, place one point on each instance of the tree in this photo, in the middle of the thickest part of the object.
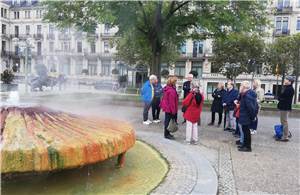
(152, 31)
(284, 53)
(238, 53)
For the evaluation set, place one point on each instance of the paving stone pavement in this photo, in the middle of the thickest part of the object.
(271, 168)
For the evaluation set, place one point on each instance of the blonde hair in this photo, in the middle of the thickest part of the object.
(246, 84)
(258, 82)
(172, 80)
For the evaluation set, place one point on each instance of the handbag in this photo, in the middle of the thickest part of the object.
(184, 108)
(172, 127)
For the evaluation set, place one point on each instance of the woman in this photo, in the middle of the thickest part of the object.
(260, 98)
(194, 103)
(217, 106)
(169, 104)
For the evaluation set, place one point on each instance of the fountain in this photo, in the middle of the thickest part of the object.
(36, 138)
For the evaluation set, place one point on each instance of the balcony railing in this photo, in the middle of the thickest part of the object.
(192, 55)
(38, 36)
(107, 35)
(93, 36)
(64, 37)
(283, 32)
(284, 9)
(50, 36)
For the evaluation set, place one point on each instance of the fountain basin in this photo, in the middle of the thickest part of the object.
(36, 138)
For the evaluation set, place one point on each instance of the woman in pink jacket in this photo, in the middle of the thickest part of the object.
(169, 104)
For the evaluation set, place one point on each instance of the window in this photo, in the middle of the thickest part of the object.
(106, 47)
(38, 13)
(79, 47)
(51, 46)
(106, 28)
(197, 48)
(282, 24)
(39, 29)
(180, 69)
(197, 66)
(211, 86)
(92, 67)
(93, 47)
(39, 48)
(3, 29)
(17, 50)
(79, 66)
(27, 14)
(3, 49)
(16, 15)
(51, 29)
(183, 48)
(105, 68)
(298, 23)
(66, 46)
(283, 4)
(16, 31)
(27, 30)
(2, 12)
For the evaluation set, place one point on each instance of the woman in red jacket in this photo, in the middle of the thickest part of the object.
(194, 104)
(169, 104)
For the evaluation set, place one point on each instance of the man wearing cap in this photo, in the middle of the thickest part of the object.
(285, 105)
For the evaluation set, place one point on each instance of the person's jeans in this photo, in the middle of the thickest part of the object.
(247, 136)
(155, 108)
(213, 114)
(147, 107)
(230, 119)
(241, 134)
(284, 123)
(191, 131)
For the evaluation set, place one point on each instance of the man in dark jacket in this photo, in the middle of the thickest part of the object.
(217, 106)
(187, 85)
(248, 113)
(285, 105)
(230, 95)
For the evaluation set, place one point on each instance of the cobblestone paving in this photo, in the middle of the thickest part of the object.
(272, 167)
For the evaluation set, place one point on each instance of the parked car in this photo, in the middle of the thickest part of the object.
(107, 85)
(269, 97)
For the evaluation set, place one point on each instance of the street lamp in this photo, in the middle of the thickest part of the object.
(277, 74)
(26, 47)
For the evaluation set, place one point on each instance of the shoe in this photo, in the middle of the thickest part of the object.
(236, 135)
(245, 149)
(253, 132)
(237, 142)
(156, 121)
(146, 123)
(218, 125)
(210, 124)
(188, 142)
(227, 129)
(240, 146)
(232, 130)
(195, 142)
(282, 139)
(171, 137)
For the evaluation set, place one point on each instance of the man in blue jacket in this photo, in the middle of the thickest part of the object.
(248, 113)
(230, 95)
(147, 94)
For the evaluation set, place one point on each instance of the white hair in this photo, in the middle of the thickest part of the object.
(258, 82)
(246, 84)
(152, 77)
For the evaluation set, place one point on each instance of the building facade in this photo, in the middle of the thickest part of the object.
(77, 54)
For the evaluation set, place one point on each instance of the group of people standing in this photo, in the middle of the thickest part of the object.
(240, 107)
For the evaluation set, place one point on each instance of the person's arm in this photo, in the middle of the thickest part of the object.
(250, 106)
(187, 100)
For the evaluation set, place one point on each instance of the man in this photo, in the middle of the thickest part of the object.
(187, 85)
(230, 95)
(158, 91)
(147, 97)
(260, 98)
(285, 106)
(248, 113)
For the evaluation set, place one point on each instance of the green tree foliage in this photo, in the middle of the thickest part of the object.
(243, 50)
(284, 53)
(152, 31)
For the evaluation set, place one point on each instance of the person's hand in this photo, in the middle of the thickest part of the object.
(235, 102)
(224, 104)
(219, 96)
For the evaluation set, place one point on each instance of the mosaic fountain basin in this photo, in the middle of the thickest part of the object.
(35, 138)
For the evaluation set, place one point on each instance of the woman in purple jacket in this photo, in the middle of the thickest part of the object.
(169, 104)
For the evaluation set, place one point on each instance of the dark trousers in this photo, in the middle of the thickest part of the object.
(168, 117)
(155, 108)
(213, 116)
(254, 124)
(247, 136)
(147, 107)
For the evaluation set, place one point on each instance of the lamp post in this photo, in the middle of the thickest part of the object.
(26, 46)
(277, 74)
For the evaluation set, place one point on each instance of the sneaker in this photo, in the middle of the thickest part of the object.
(218, 125)
(253, 132)
(210, 124)
(195, 142)
(156, 121)
(237, 142)
(146, 123)
(282, 140)
(188, 142)
(169, 137)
